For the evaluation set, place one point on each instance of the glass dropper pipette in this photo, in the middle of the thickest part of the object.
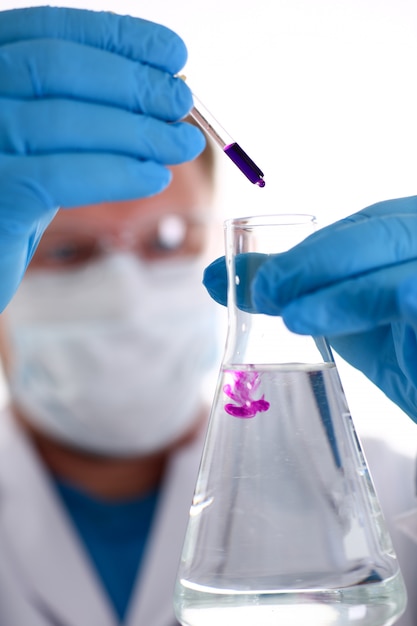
(207, 122)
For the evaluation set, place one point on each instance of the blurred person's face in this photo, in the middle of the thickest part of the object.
(169, 226)
(111, 328)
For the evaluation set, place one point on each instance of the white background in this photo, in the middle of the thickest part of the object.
(322, 94)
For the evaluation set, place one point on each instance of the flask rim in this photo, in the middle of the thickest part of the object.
(271, 219)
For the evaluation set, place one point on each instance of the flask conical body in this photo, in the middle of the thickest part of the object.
(285, 526)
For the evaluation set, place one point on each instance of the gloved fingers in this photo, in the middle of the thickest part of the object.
(376, 354)
(39, 184)
(365, 350)
(335, 255)
(379, 211)
(405, 342)
(405, 334)
(215, 280)
(50, 125)
(18, 243)
(34, 187)
(387, 354)
(85, 73)
(407, 301)
(15, 257)
(246, 266)
(353, 306)
(387, 208)
(396, 206)
(131, 37)
(324, 249)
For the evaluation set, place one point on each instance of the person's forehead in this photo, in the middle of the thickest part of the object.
(187, 194)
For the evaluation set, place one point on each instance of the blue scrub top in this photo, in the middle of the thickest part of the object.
(114, 534)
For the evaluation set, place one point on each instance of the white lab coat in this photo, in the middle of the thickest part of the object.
(46, 578)
(394, 477)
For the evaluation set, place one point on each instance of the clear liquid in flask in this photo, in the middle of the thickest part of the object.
(369, 605)
(285, 526)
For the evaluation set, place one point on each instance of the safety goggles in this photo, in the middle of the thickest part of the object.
(153, 238)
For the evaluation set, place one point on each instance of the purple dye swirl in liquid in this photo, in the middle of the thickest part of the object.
(241, 392)
(245, 164)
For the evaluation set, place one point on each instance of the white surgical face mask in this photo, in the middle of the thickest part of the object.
(111, 357)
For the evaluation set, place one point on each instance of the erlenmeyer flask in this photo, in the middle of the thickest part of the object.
(285, 527)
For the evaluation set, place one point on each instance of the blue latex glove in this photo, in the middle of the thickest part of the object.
(88, 113)
(354, 282)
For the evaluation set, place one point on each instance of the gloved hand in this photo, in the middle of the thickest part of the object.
(87, 105)
(354, 282)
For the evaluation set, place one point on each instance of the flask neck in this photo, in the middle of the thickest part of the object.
(255, 338)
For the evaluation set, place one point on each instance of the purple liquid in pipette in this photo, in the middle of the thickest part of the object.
(245, 164)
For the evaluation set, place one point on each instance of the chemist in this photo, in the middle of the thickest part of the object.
(106, 341)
